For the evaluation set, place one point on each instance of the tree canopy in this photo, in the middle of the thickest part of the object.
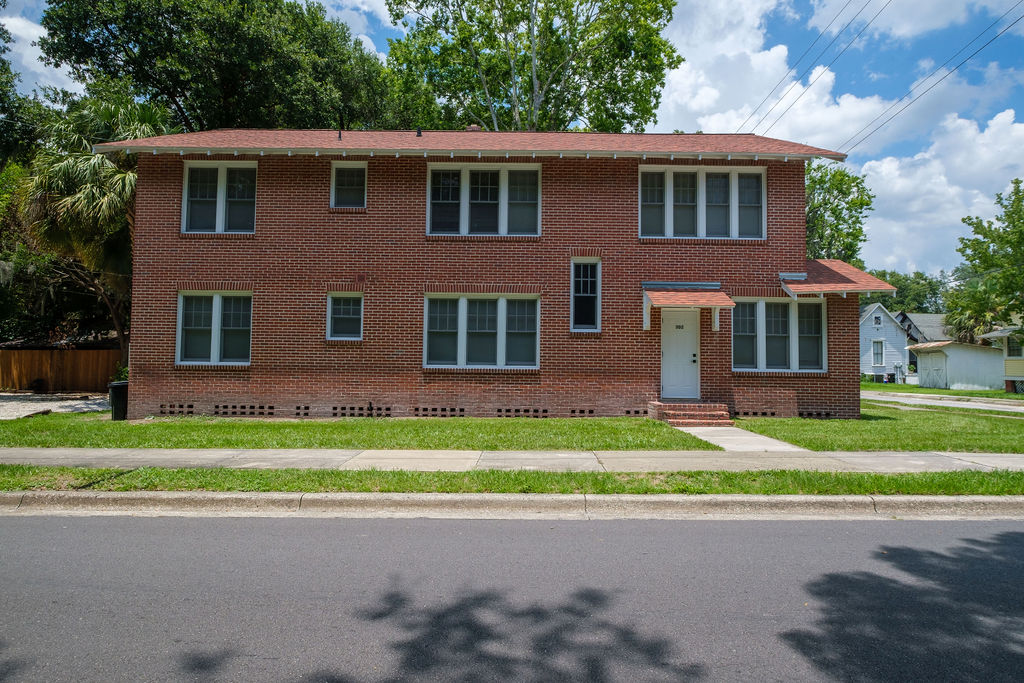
(539, 64)
(225, 63)
(917, 292)
(837, 202)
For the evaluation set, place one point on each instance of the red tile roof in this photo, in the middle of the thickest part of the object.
(465, 142)
(690, 299)
(832, 276)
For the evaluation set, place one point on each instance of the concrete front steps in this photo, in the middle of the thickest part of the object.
(690, 414)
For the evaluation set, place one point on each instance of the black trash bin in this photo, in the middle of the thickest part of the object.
(118, 400)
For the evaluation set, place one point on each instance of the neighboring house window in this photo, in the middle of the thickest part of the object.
(878, 320)
(713, 202)
(345, 316)
(878, 352)
(586, 296)
(348, 185)
(1013, 347)
(219, 197)
(214, 328)
(778, 335)
(481, 332)
(467, 200)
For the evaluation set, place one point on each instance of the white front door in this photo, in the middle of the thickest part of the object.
(680, 354)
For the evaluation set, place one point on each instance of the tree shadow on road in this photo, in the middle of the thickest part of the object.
(485, 635)
(958, 616)
(9, 667)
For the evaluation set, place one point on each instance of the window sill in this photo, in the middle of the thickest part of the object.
(347, 209)
(482, 238)
(217, 235)
(652, 239)
(219, 367)
(430, 370)
(779, 373)
(343, 342)
(585, 333)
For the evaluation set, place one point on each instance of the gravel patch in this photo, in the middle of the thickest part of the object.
(19, 405)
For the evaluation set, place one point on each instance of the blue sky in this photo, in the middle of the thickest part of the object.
(943, 158)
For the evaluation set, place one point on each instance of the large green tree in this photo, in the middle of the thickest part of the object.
(990, 283)
(225, 63)
(80, 206)
(915, 291)
(539, 64)
(837, 202)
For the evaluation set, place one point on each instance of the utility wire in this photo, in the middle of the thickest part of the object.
(925, 80)
(928, 89)
(808, 69)
(811, 84)
(793, 68)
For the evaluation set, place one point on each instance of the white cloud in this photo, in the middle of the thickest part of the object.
(920, 199)
(904, 19)
(370, 47)
(377, 8)
(25, 57)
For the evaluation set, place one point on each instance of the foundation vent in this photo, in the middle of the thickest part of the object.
(522, 412)
(816, 414)
(580, 412)
(176, 409)
(636, 412)
(757, 413)
(438, 412)
(369, 410)
(242, 410)
(301, 411)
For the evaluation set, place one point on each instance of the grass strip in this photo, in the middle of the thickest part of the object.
(891, 429)
(95, 430)
(36, 478)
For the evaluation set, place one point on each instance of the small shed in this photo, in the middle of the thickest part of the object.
(954, 365)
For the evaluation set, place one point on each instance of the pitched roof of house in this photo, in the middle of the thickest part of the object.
(469, 142)
(865, 311)
(832, 276)
(931, 325)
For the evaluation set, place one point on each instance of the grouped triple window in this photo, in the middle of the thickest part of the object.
(709, 203)
(778, 335)
(219, 197)
(483, 201)
(214, 328)
(481, 332)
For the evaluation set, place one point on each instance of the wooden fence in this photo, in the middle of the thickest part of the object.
(52, 370)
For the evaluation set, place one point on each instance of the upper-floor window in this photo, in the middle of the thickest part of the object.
(348, 185)
(878, 320)
(586, 296)
(676, 201)
(481, 331)
(471, 200)
(878, 352)
(778, 335)
(345, 316)
(1013, 347)
(219, 197)
(214, 327)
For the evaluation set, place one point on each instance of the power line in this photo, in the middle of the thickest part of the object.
(793, 68)
(808, 69)
(811, 84)
(944, 77)
(924, 80)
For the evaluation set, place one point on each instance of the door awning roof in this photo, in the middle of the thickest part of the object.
(832, 276)
(686, 295)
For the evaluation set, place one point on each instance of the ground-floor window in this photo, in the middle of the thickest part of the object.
(214, 327)
(878, 352)
(481, 331)
(778, 335)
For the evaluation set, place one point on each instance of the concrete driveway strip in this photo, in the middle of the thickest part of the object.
(967, 402)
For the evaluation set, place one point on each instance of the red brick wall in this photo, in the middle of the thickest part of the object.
(301, 249)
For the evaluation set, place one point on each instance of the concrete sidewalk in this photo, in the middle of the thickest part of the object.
(548, 461)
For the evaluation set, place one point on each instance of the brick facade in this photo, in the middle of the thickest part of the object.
(301, 249)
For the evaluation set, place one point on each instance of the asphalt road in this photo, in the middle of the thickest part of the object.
(153, 599)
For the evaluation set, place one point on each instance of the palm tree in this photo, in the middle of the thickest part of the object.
(81, 206)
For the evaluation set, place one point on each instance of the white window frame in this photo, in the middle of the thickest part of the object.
(463, 325)
(702, 172)
(222, 186)
(502, 170)
(362, 314)
(572, 295)
(335, 165)
(881, 353)
(215, 327)
(794, 335)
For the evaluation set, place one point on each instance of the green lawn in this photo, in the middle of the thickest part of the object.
(27, 478)
(914, 389)
(95, 430)
(890, 429)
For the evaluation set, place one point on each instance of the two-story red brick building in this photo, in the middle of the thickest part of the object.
(312, 274)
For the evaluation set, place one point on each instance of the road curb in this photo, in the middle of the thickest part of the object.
(507, 506)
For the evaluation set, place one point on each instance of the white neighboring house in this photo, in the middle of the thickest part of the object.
(1013, 356)
(954, 365)
(883, 343)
